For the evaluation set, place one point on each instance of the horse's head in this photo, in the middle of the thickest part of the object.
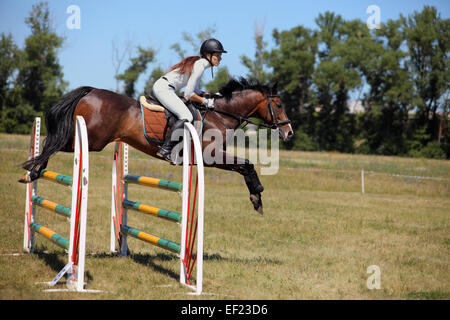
(243, 99)
(272, 111)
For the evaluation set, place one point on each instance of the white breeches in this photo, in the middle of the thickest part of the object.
(167, 96)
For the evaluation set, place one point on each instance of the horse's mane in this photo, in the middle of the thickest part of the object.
(241, 84)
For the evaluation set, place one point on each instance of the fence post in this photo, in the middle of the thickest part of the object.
(362, 181)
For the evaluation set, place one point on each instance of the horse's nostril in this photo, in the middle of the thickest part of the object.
(290, 133)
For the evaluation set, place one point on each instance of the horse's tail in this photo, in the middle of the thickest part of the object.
(60, 127)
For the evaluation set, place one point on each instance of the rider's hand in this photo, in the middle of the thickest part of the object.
(209, 103)
(212, 95)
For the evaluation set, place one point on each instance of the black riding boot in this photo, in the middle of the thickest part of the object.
(165, 150)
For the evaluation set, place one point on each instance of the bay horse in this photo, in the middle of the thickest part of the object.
(114, 117)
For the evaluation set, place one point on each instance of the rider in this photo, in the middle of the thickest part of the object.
(186, 73)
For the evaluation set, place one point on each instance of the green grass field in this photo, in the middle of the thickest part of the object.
(316, 239)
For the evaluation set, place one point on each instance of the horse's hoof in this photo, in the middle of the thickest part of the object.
(257, 203)
(260, 210)
(25, 179)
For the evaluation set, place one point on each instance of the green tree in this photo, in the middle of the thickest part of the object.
(31, 80)
(18, 119)
(157, 73)
(193, 41)
(330, 26)
(293, 64)
(138, 65)
(335, 76)
(40, 75)
(427, 37)
(220, 79)
(390, 96)
(9, 64)
(256, 67)
(401, 68)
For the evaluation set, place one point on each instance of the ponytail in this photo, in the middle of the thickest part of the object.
(185, 65)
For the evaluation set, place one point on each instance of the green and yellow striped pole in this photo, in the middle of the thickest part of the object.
(160, 213)
(152, 239)
(153, 182)
(52, 206)
(51, 235)
(56, 177)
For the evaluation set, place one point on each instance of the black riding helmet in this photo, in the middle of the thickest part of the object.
(211, 46)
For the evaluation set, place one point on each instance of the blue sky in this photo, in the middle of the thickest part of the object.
(86, 55)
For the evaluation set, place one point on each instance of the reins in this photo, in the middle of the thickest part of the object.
(275, 123)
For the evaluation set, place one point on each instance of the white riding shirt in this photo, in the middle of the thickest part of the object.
(165, 90)
(191, 82)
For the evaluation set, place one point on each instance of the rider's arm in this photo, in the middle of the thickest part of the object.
(198, 96)
(195, 97)
(191, 92)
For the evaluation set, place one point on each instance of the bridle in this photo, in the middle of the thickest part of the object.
(275, 123)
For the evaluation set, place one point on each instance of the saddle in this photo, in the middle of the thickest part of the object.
(153, 121)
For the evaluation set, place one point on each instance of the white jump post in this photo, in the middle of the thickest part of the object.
(31, 189)
(191, 231)
(189, 132)
(76, 245)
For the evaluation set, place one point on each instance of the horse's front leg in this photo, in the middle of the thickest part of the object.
(246, 169)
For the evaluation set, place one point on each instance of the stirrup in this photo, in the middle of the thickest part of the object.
(167, 157)
(164, 153)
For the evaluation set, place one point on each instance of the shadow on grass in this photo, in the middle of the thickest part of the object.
(145, 259)
(247, 261)
(56, 261)
(153, 260)
(53, 259)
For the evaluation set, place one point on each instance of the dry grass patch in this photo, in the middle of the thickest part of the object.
(316, 239)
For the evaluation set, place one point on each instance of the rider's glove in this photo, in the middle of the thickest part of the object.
(209, 103)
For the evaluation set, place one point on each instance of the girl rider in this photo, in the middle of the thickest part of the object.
(186, 73)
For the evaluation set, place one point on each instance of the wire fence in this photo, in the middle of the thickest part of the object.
(236, 178)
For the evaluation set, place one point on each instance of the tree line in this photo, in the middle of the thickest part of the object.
(345, 87)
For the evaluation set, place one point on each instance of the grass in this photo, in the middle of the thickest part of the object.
(316, 239)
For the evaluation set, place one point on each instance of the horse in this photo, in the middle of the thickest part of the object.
(112, 117)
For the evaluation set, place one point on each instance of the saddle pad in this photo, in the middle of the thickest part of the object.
(155, 123)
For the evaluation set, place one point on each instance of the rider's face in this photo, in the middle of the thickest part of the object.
(216, 58)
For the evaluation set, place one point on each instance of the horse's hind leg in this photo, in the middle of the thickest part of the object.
(34, 170)
(34, 173)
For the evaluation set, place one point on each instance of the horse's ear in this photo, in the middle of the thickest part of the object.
(275, 88)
